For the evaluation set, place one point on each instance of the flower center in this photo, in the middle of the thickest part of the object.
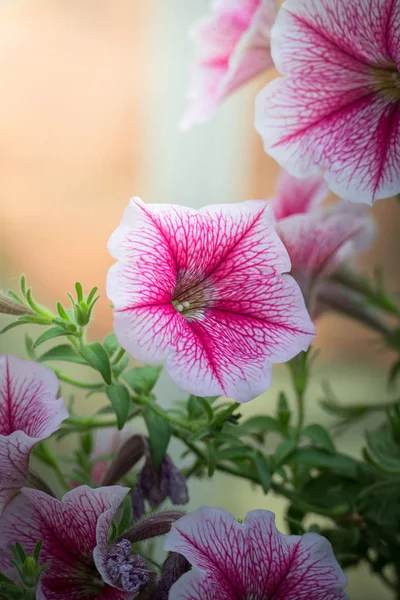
(387, 81)
(130, 572)
(191, 298)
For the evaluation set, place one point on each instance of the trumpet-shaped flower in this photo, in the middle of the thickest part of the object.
(318, 239)
(204, 291)
(232, 45)
(233, 560)
(74, 533)
(29, 412)
(338, 106)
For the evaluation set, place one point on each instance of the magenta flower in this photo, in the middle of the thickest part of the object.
(204, 291)
(74, 532)
(232, 45)
(29, 412)
(320, 241)
(296, 196)
(251, 560)
(338, 106)
(317, 239)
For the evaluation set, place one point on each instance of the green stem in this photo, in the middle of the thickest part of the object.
(115, 359)
(224, 414)
(143, 401)
(76, 383)
(77, 423)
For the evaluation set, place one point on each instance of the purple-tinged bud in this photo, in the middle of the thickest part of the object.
(127, 571)
(127, 456)
(8, 306)
(156, 484)
(174, 567)
(152, 526)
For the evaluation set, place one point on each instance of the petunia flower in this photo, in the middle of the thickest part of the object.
(297, 196)
(232, 46)
(204, 291)
(338, 106)
(74, 532)
(319, 242)
(233, 560)
(29, 413)
(318, 239)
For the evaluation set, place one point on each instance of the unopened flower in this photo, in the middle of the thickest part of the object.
(109, 443)
(251, 560)
(156, 484)
(29, 412)
(204, 291)
(232, 45)
(74, 532)
(338, 106)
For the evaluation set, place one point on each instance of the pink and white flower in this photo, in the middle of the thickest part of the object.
(338, 106)
(251, 560)
(232, 46)
(29, 412)
(204, 291)
(318, 239)
(74, 532)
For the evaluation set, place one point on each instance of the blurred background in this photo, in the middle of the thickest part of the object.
(92, 93)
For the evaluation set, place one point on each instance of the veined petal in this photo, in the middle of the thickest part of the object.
(252, 560)
(70, 531)
(196, 586)
(318, 242)
(295, 196)
(333, 111)
(231, 47)
(29, 412)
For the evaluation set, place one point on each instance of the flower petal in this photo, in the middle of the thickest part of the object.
(231, 47)
(296, 195)
(68, 531)
(318, 242)
(195, 586)
(329, 112)
(229, 350)
(253, 560)
(29, 412)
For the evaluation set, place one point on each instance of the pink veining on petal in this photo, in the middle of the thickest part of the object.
(204, 290)
(232, 46)
(320, 241)
(251, 560)
(71, 531)
(339, 106)
(29, 412)
(296, 196)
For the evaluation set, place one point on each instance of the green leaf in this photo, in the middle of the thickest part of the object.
(14, 324)
(51, 333)
(284, 450)
(283, 413)
(126, 516)
(143, 379)
(316, 433)
(235, 452)
(65, 352)
(111, 344)
(120, 401)
(91, 295)
(263, 473)
(206, 408)
(318, 458)
(79, 291)
(97, 358)
(261, 424)
(195, 406)
(121, 365)
(159, 433)
(62, 312)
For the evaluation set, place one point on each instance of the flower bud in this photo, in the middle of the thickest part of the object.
(174, 567)
(153, 526)
(128, 455)
(8, 306)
